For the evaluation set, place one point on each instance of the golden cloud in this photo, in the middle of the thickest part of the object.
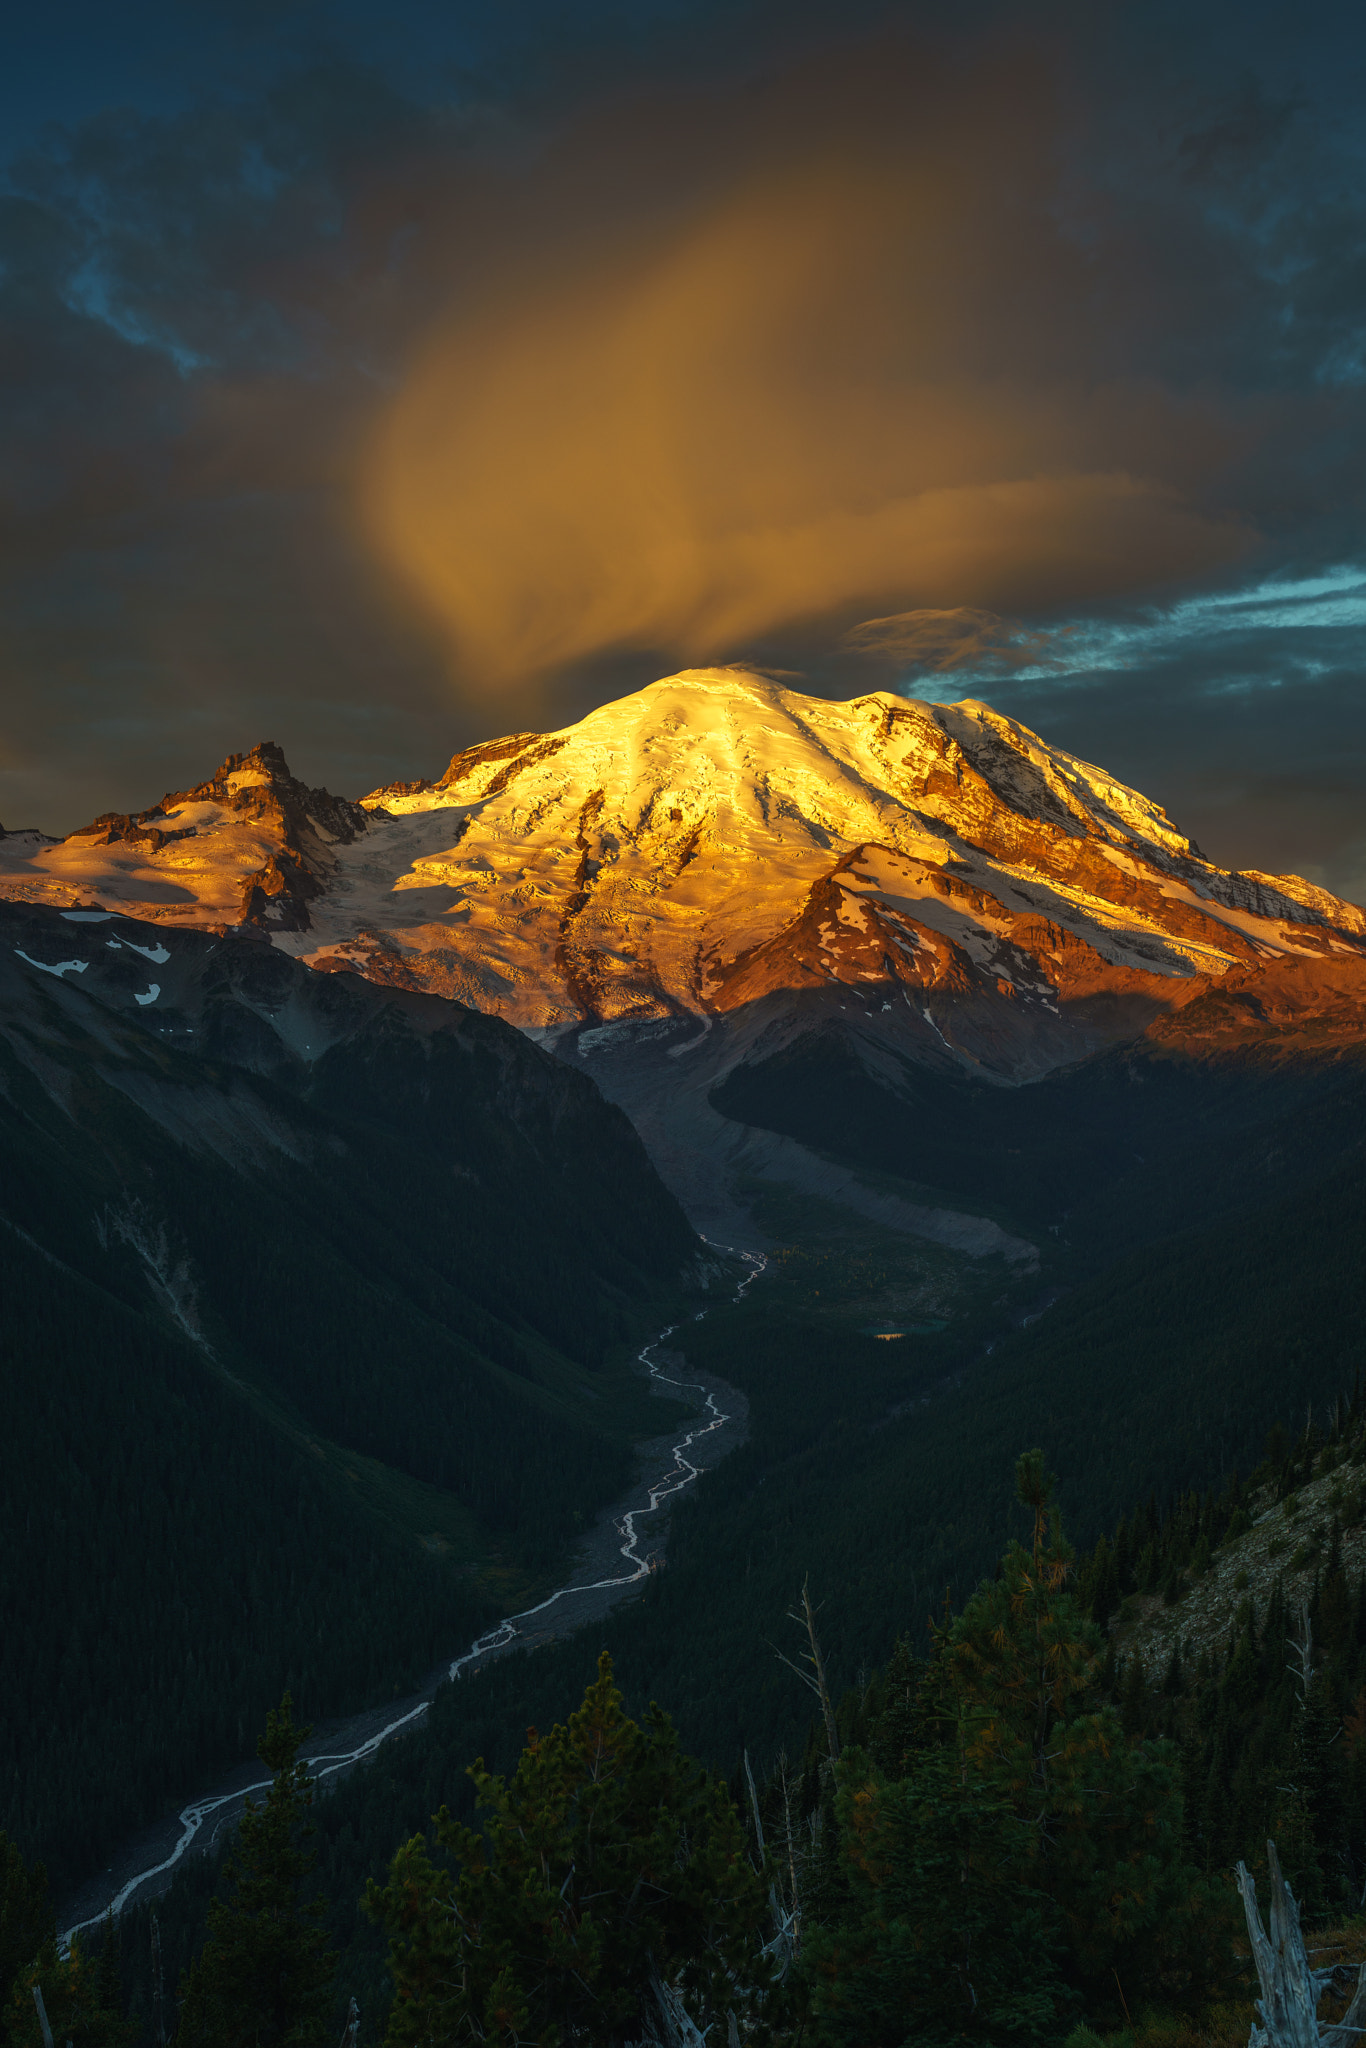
(824, 387)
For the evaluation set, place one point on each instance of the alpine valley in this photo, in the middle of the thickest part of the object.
(352, 1148)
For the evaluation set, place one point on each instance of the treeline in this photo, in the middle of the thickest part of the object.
(1269, 1717)
(840, 1870)
(881, 1470)
(973, 1847)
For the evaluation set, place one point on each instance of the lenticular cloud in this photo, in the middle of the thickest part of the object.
(828, 383)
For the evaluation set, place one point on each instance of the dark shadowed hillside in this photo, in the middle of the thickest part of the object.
(318, 1299)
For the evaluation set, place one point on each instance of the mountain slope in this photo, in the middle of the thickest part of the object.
(314, 1177)
(707, 840)
(717, 883)
(315, 1299)
(252, 845)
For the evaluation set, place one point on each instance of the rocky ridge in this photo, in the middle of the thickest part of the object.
(706, 873)
(253, 845)
(1289, 1540)
(716, 841)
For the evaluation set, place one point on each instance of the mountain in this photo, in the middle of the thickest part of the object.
(710, 840)
(251, 846)
(318, 1303)
(718, 881)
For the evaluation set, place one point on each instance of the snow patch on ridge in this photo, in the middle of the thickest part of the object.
(57, 967)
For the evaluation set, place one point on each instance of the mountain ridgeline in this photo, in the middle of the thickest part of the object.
(322, 1288)
(317, 1297)
(777, 928)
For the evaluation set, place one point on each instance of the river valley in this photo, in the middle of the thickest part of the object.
(624, 1546)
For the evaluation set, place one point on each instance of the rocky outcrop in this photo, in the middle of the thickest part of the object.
(251, 845)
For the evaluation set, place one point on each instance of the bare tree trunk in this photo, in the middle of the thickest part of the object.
(1301, 1648)
(42, 2015)
(678, 2028)
(814, 1679)
(1288, 2006)
(821, 1686)
(754, 1803)
(791, 1860)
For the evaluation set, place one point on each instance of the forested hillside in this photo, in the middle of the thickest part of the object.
(383, 1258)
(1014, 1828)
(317, 1302)
(881, 1472)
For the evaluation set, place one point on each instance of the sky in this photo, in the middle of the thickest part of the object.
(381, 378)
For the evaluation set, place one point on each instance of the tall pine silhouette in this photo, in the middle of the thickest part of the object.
(610, 1878)
(264, 1978)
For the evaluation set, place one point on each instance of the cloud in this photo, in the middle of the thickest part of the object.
(375, 403)
(847, 368)
(964, 637)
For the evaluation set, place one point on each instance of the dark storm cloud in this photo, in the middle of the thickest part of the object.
(1059, 320)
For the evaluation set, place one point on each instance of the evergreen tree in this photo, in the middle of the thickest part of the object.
(899, 1723)
(26, 1920)
(83, 2000)
(610, 1868)
(1029, 1853)
(946, 1934)
(82, 2003)
(264, 1978)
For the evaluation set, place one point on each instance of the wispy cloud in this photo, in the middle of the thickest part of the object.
(1263, 636)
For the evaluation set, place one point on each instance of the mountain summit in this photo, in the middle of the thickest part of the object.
(696, 880)
(710, 841)
(717, 837)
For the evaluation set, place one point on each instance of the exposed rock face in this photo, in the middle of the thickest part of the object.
(252, 845)
(719, 847)
(718, 844)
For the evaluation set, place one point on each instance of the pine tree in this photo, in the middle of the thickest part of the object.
(1314, 1831)
(26, 1919)
(611, 1871)
(1030, 1850)
(899, 1724)
(264, 1978)
(82, 2000)
(947, 1935)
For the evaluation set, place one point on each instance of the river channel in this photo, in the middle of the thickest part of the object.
(624, 1547)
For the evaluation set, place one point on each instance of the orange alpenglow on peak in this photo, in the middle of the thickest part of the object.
(718, 845)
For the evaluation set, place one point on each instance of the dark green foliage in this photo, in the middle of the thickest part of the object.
(82, 1999)
(264, 1978)
(140, 1486)
(245, 1301)
(946, 1937)
(877, 1469)
(1264, 1753)
(26, 1920)
(608, 1865)
(1028, 1854)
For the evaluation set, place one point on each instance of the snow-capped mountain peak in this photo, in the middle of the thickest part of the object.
(719, 840)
